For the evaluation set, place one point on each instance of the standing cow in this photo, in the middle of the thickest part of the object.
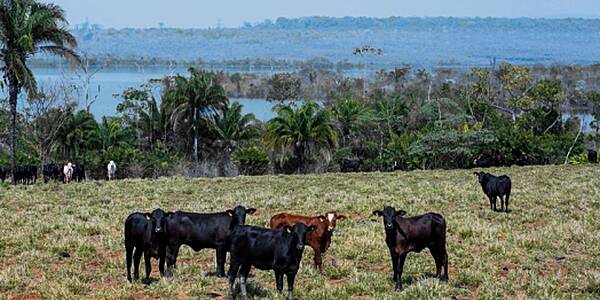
(2, 174)
(68, 172)
(201, 231)
(405, 235)
(319, 239)
(495, 186)
(111, 169)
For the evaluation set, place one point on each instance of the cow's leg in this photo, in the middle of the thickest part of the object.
(129, 258)
(244, 271)
(400, 267)
(502, 197)
(491, 202)
(161, 265)
(234, 267)
(495, 201)
(435, 252)
(507, 196)
(279, 281)
(394, 257)
(318, 260)
(290, 280)
(137, 256)
(147, 261)
(221, 257)
(172, 252)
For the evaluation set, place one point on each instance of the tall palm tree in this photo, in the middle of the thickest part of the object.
(28, 27)
(232, 127)
(193, 101)
(350, 113)
(303, 130)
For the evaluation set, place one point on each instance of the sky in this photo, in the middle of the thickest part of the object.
(233, 13)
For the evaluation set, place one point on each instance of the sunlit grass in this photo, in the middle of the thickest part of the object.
(65, 241)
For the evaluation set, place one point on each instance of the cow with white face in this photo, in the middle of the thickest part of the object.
(68, 172)
(112, 170)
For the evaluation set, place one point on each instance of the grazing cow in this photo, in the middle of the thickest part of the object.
(592, 156)
(319, 239)
(79, 172)
(2, 174)
(495, 187)
(68, 172)
(51, 172)
(405, 235)
(266, 249)
(350, 165)
(111, 170)
(147, 235)
(201, 231)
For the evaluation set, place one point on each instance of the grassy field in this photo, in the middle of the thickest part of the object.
(65, 241)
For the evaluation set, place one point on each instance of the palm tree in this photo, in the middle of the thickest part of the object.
(78, 132)
(192, 101)
(350, 113)
(303, 130)
(232, 127)
(28, 27)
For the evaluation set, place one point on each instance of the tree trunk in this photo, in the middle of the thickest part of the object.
(13, 95)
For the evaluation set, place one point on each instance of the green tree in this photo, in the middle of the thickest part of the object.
(28, 27)
(350, 114)
(303, 130)
(78, 133)
(193, 101)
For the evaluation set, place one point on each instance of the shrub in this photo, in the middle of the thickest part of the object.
(251, 161)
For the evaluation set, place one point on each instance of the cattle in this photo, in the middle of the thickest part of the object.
(111, 169)
(202, 231)
(266, 249)
(51, 172)
(68, 172)
(79, 172)
(319, 239)
(145, 232)
(2, 174)
(405, 235)
(25, 174)
(494, 187)
(350, 165)
(592, 156)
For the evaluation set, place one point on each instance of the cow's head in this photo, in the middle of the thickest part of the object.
(330, 219)
(238, 215)
(389, 214)
(158, 218)
(299, 231)
(480, 176)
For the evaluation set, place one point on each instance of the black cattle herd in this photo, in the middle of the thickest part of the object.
(160, 235)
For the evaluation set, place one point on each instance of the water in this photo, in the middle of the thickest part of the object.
(585, 118)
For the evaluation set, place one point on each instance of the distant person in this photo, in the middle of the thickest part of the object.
(112, 170)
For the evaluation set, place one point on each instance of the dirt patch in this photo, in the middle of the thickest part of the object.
(338, 282)
(26, 296)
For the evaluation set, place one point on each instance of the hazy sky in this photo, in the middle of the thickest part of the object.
(232, 13)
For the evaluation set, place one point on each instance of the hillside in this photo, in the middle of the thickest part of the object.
(65, 241)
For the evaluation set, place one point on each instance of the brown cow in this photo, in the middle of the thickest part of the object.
(319, 239)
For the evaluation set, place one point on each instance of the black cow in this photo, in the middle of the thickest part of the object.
(146, 233)
(201, 231)
(350, 165)
(266, 249)
(25, 174)
(495, 187)
(405, 235)
(2, 174)
(592, 156)
(52, 172)
(78, 172)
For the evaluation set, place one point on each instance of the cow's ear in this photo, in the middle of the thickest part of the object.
(287, 228)
(230, 212)
(377, 213)
(322, 218)
(250, 211)
(168, 213)
(148, 216)
(341, 217)
(476, 173)
(400, 213)
(311, 228)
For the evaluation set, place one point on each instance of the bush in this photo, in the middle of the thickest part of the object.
(251, 161)
(580, 159)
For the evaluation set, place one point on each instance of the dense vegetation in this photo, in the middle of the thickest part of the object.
(66, 241)
(404, 120)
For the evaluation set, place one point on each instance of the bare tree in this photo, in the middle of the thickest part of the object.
(83, 78)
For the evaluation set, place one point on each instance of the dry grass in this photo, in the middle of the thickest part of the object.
(65, 241)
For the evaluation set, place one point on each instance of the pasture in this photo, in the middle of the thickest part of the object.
(66, 241)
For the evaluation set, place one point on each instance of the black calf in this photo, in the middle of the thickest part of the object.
(495, 187)
(266, 249)
(592, 156)
(405, 235)
(146, 234)
(52, 172)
